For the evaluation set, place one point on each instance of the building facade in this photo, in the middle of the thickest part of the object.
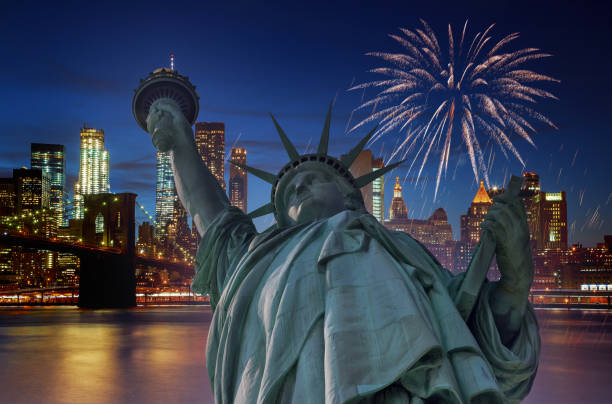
(238, 183)
(378, 192)
(553, 221)
(398, 209)
(210, 142)
(164, 193)
(51, 158)
(93, 168)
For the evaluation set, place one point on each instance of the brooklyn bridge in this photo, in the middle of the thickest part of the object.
(107, 253)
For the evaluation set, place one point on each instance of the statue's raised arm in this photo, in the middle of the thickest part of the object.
(199, 190)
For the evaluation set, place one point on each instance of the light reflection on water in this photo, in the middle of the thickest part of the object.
(156, 355)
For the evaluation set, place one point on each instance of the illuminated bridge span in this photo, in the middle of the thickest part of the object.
(107, 275)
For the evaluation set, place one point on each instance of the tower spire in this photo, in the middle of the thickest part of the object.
(172, 61)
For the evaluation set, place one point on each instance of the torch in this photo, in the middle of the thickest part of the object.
(169, 84)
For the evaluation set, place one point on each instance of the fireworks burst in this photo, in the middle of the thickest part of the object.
(475, 89)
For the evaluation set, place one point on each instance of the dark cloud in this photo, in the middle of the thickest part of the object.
(146, 163)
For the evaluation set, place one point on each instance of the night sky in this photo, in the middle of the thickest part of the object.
(64, 65)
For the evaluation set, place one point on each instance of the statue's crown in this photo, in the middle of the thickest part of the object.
(338, 166)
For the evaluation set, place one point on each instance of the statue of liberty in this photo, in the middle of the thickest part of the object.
(328, 306)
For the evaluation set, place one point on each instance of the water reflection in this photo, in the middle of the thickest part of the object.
(156, 355)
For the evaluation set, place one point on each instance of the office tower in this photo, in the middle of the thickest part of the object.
(32, 189)
(210, 141)
(164, 193)
(51, 159)
(530, 195)
(93, 168)
(32, 194)
(470, 222)
(238, 180)
(378, 192)
(553, 220)
(398, 208)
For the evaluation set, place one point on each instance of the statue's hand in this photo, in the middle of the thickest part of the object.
(167, 125)
(507, 223)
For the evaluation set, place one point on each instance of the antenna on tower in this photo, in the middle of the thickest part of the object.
(172, 61)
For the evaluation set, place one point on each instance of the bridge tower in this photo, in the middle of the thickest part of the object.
(108, 280)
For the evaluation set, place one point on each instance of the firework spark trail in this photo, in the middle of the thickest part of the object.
(580, 197)
(559, 175)
(609, 197)
(433, 97)
(574, 159)
(594, 219)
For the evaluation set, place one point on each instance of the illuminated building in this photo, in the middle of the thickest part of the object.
(553, 221)
(8, 197)
(238, 180)
(398, 209)
(93, 169)
(530, 195)
(210, 142)
(378, 192)
(435, 233)
(470, 222)
(32, 189)
(146, 239)
(164, 193)
(51, 159)
(470, 230)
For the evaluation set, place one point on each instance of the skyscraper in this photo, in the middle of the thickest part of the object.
(164, 192)
(50, 158)
(238, 180)
(32, 189)
(470, 222)
(210, 141)
(378, 192)
(93, 169)
(553, 220)
(398, 208)
(530, 195)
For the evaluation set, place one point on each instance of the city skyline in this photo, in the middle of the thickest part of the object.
(267, 67)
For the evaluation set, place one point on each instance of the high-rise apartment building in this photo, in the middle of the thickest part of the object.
(164, 193)
(210, 141)
(51, 159)
(93, 168)
(238, 180)
(553, 221)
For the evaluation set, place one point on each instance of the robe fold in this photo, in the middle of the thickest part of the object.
(343, 310)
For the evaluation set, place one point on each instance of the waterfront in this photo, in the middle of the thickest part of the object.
(157, 355)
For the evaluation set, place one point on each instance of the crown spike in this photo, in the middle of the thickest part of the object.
(349, 159)
(267, 177)
(262, 210)
(323, 143)
(293, 154)
(371, 176)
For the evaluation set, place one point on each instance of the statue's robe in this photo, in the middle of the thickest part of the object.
(343, 310)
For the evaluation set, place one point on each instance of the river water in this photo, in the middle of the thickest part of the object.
(157, 355)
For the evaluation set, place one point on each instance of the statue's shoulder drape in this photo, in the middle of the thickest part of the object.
(343, 310)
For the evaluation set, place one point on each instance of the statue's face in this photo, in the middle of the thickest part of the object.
(312, 195)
